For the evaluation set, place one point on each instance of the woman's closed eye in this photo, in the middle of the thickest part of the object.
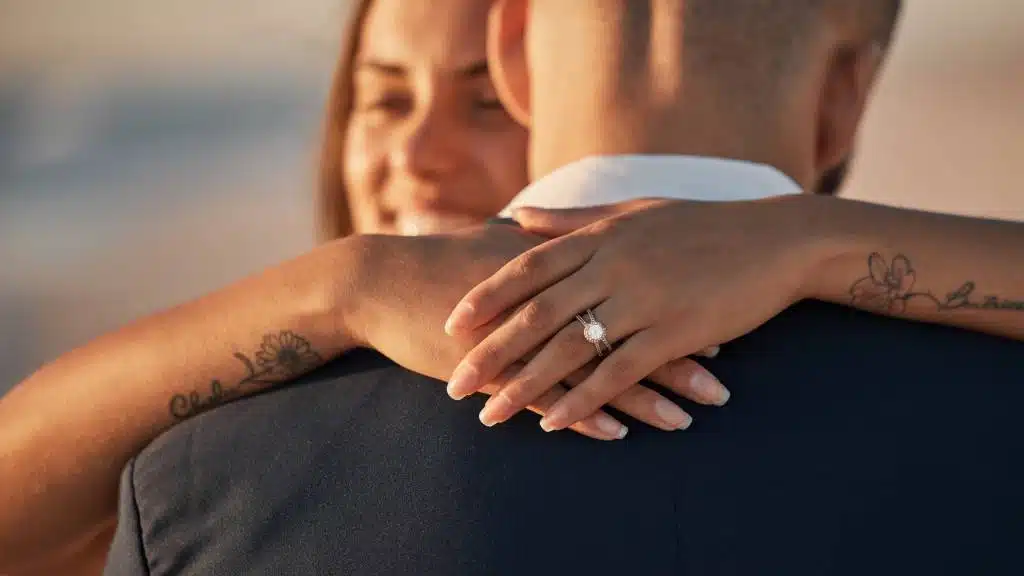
(387, 105)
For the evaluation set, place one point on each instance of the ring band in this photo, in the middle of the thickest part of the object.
(595, 332)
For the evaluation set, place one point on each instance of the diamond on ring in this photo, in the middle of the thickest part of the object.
(595, 332)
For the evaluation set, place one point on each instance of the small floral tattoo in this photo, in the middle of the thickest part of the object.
(281, 356)
(890, 285)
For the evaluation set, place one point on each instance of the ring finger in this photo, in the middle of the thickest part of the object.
(526, 330)
(566, 352)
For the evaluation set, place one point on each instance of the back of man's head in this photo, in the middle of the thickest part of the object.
(777, 81)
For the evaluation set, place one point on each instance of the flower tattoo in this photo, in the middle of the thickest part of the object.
(889, 286)
(286, 353)
(281, 356)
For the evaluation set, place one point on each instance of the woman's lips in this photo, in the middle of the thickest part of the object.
(420, 223)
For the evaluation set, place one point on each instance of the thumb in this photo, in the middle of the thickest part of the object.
(550, 222)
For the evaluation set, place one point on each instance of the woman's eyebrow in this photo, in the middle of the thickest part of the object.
(381, 67)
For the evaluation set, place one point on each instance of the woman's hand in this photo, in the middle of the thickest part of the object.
(667, 279)
(404, 287)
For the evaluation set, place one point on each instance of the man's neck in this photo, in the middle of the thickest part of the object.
(617, 87)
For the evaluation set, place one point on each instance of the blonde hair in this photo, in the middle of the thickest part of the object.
(332, 212)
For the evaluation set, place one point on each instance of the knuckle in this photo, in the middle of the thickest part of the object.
(485, 359)
(571, 347)
(620, 370)
(588, 399)
(480, 297)
(536, 313)
(522, 392)
(530, 265)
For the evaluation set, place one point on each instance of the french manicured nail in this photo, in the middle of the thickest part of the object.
(611, 426)
(710, 388)
(458, 318)
(494, 410)
(671, 414)
(462, 382)
(553, 419)
(711, 351)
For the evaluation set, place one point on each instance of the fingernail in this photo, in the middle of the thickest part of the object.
(494, 409)
(458, 318)
(712, 351)
(671, 414)
(710, 388)
(611, 426)
(462, 382)
(553, 419)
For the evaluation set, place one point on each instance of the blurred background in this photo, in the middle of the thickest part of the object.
(153, 151)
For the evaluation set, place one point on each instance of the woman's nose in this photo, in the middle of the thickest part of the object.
(428, 149)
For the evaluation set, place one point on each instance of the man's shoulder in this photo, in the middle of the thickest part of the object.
(338, 387)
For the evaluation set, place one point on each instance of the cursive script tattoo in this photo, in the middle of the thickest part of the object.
(890, 285)
(280, 357)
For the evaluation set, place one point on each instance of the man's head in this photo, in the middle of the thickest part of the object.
(777, 81)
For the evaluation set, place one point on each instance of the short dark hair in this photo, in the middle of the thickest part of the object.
(751, 47)
(749, 43)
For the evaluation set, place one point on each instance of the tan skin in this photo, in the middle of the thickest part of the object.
(429, 146)
(47, 526)
(665, 299)
(427, 149)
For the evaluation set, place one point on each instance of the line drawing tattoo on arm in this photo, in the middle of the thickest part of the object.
(281, 356)
(890, 285)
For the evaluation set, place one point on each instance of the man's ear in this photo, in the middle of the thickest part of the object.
(848, 84)
(506, 56)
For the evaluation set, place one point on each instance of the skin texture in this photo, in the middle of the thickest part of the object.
(423, 134)
(427, 141)
(702, 283)
(870, 257)
(429, 147)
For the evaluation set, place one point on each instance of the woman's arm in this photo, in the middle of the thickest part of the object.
(67, 431)
(966, 272)
(669, 278)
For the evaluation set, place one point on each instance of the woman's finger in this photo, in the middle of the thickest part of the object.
(558, 222)
(640, 402)
(564, 353)
(547, 222)
(692, 381)
(600, 426)
(519, 279)
(649, 406)
(524, 332)
(638, 357)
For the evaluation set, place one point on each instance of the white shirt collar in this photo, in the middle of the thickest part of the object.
(610, 179)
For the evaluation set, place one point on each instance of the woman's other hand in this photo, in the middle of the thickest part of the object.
(403, 289)
(667, 278)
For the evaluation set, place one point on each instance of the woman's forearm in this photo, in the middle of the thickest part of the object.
(966, 272)
(67, 431)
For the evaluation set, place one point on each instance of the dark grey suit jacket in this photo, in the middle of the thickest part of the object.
(853, 444)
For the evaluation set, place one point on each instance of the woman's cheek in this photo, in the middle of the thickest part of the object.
(365, 166)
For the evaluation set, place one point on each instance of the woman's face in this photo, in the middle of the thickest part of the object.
(429, 147)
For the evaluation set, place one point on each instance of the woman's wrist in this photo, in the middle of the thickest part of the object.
(828, 243)
(341, 281)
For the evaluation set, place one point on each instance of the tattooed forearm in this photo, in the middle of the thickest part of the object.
(281, 356)
(889, 286)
